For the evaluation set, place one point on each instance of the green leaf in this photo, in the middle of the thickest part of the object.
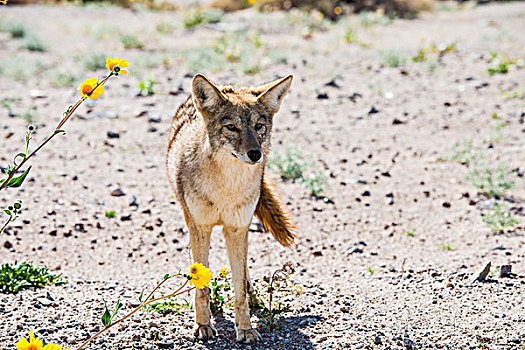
(166, 276)
(119, 305)
(18, 181)
(8, 212)
(59, 131)
(106, 319)
(141, 295)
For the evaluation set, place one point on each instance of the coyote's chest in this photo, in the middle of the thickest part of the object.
(226, 195)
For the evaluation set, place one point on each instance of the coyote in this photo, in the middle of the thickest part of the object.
(217, 152)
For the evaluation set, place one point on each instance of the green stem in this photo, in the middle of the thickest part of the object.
(6, 223)
(59, 126)
(146, 302)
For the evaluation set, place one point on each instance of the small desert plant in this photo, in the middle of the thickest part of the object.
(94, 61)
(61, 79)
(198, 16)
(393, 58)
(16, 29)
(492, 182)
(370, 19)
(165, 28)
(499, 63)
(496, 133)
(446, 246)
(291, 166)
(278, 285)
(464, 153)
(110, 214)
(499, 219)
(131, 41)
(220, 289)
(288, 165)
(315, 183)
(409, 233)
(435, 51)
(352, 38)
(8, 102)
(20, 67)
(35, 44)
(170, 306)
(14, 277)
(29, 115)
(147, 87)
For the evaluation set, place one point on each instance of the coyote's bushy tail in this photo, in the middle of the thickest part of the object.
(273, 214)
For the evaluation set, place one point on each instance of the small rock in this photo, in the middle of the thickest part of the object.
(373, 110)
(446, 204)
(8, 245)
(333, 83)
(117, 192)
(44, 301)
(155, 118)
(356, 250)
(488, 204)
(36, 94)
(133, 202)
(361, 180)
(322, 96)
(398, 121)
(125, 217)
(317, 253)
(377, 340)
(113, 135)
(505, 271)
(366, 193)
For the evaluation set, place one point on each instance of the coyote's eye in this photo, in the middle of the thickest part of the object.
(259, 126)
(231, 127)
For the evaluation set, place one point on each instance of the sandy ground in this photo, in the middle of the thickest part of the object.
(367, 284)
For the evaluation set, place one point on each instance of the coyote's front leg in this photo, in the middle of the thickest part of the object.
(200, 248)
(237, 245)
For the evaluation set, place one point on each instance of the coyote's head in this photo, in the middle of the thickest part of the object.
(239, 121)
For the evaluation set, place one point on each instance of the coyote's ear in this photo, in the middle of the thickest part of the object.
(205, 94)
(275, 92)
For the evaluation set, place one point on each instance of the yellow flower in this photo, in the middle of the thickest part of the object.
(86, 89)
(200, 275)
(223, 272)
(117, 64)
(338, 10)
(52, 346)
(32, 344)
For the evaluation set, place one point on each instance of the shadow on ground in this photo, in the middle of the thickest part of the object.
(288, 335)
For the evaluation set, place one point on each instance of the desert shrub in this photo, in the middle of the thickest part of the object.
(16, 29)
(94, 61)
(14, 277)
(392, 58)
(131, 41)
(199, 16)
(35, 44)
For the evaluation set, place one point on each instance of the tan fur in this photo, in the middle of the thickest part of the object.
(217, 152)
(273, 214)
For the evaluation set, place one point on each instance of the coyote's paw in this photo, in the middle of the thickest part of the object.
(248, 336)
(205, 332)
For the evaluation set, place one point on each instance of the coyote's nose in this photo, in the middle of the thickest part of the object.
(254, 155)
